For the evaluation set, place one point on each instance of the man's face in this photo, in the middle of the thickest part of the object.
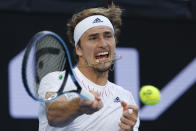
(97, 46)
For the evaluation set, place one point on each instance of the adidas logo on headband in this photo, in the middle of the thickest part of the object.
(97, 20)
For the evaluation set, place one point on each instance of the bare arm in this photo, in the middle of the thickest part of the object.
(62, 111)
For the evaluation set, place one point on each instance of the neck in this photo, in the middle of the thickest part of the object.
(99, 78)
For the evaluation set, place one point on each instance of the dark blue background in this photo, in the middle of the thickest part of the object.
(162, 32)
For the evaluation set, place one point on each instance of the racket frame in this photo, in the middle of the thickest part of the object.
(82, 92)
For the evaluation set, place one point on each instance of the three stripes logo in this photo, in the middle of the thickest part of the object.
(97, 20)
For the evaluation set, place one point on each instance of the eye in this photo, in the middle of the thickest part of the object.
(92, 38)
(108, 35)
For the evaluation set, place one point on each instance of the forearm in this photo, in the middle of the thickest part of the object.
(61, 112)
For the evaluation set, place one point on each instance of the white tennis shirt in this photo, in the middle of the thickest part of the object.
(107, 118)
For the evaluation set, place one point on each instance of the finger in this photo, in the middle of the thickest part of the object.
(92, 108)
(129, 122)
(97, 98)
(91, 105)
(88, 109)
(100, 104)
(124, 105)
(125, 120)
(134, 108)
(124, 127)
(95, 105)
(130, 116)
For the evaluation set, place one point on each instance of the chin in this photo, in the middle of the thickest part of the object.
(102, 68)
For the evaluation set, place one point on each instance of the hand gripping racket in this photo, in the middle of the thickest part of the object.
(45, 53)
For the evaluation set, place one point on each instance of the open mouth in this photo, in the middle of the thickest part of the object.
(102, 56)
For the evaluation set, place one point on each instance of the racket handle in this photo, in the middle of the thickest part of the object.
(86, 95)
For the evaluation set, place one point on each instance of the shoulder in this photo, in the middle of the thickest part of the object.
(50, 83)
(118, 88)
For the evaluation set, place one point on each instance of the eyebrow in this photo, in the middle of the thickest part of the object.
(96, 34)
(108, 32)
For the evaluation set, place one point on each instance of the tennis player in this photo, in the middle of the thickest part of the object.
(93, 33)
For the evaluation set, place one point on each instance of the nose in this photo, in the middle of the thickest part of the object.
(102, 42)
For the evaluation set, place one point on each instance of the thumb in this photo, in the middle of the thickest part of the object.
(124, 105)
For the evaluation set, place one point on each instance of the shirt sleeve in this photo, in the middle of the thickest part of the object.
(52, 82)
(49, 83)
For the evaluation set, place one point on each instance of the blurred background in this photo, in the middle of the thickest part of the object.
(158, 40)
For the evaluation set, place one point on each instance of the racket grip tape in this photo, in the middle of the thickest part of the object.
(86, 95)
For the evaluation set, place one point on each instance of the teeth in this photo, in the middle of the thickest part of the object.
(102, 53)
(97, 61)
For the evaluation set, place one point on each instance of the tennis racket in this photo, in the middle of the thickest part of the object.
(45, 53)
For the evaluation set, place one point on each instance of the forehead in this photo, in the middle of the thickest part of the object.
(98, 29)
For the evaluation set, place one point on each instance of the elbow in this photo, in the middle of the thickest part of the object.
(55, 124)
(54, 121)
(51, 123)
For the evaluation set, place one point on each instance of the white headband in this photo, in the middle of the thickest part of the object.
(89, 22)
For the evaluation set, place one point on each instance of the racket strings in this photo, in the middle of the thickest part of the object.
(46, 55)
(51, 56)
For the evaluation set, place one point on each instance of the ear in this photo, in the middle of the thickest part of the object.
(78, 50)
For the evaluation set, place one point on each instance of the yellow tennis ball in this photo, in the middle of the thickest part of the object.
(149, 95)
